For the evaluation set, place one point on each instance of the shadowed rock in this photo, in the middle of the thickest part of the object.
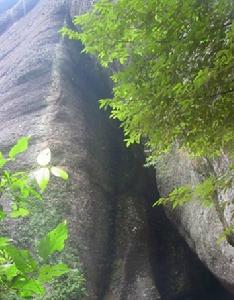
(200, 226)
(48, 90)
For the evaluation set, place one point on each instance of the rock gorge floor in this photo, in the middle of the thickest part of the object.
(49, 91)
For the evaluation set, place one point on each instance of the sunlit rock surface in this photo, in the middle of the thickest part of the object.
(49, 91)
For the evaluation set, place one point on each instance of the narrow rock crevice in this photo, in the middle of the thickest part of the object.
(49, 90)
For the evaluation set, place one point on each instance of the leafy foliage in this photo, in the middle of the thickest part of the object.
(173, 67)
(53, 241)
(70, 286)
(19, 147)
(21, 272)
(204, 191)
(228, 231)
(45, 215)
(174, 80)
(177, 197)
(42, 175)
(48, 272)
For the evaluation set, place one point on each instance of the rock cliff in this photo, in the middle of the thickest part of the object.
(49, 91)
(200, 226)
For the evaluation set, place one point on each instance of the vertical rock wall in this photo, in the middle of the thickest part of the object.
(201, 226)
(49, 91)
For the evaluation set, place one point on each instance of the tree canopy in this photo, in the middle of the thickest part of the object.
(173, 70)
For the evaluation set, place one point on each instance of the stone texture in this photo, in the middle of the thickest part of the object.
(200, 226)
(48, 90)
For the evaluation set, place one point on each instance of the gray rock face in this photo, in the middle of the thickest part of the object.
(200, 226)
(49, 91)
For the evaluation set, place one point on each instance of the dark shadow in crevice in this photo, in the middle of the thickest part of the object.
(178, 273)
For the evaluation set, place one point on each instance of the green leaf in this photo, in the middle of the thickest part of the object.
(20, 212)
(48, 272)
(42, 177)
(32, 287)
(4, 242)
(9, 270)
(58, 172)
(43, 159)
(20, 147)
(53, 241)
(29, 287)
(168, 90)
(2, 160)
(22, 259)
